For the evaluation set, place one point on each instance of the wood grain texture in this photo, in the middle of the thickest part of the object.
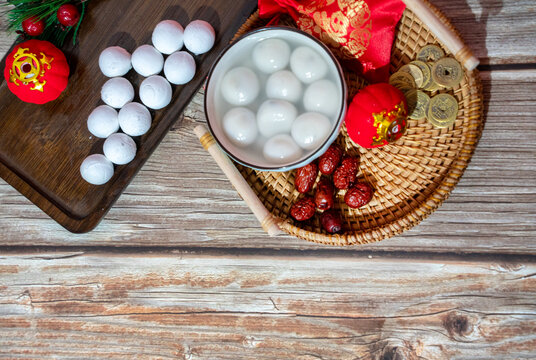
(188, 307)
(227, 303)
(498, 31)
(181, 198)
(43, 146)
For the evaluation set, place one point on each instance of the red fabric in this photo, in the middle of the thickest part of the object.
(53, 80)
(360, 32)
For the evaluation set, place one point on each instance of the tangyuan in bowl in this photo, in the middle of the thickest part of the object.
(275, 99)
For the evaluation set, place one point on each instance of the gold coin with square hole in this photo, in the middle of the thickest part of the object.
(430, 53)
(418, 103)
(402, 81)
(431, 85)
(425, 70)
(443, 110)
(414, 71)
(447, 72)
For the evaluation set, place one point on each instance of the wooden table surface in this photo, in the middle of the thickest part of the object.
(180, 268)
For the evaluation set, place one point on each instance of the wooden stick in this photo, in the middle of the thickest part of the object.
(443, 33)
(268, 222)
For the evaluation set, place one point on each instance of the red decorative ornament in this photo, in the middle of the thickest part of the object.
(36, 71)
(33, 26)
(68, 15)
(360, 32)
(377, 116)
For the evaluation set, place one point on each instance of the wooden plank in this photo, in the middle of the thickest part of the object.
(181, 198)
(6, 39)
(498, 31)
(66, 306)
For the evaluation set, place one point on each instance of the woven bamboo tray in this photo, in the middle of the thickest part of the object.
(411, 178)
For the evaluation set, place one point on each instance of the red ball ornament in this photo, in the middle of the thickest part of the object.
(33, 26)
(68, 15)
(36, 71)
(377, 116)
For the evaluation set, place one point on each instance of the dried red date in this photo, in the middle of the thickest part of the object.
(305, 178)
(331, 221)
(324, 194)
(345, 174)
(303, 209)
(358, 195)
(327, 163)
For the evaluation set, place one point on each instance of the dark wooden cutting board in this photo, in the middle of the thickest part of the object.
(42, 146)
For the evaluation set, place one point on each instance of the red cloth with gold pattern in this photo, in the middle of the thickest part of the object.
(359, 32)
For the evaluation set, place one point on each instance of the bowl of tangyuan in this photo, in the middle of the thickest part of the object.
(275, 99)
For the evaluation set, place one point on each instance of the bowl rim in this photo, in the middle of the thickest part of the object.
(340, 117)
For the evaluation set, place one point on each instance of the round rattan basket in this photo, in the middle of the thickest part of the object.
(411, 177)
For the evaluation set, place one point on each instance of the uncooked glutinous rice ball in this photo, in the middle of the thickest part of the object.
(147, 61)
(179, 68)
(96, 169)
(119, 148)
(114, 61)
(134, 119)
(103, 122)
(199, 37)
(168, 36)
(155, 92)
(116, 92)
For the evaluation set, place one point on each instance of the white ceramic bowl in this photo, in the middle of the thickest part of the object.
(239, 54)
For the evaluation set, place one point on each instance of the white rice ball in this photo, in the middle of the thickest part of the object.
(199, 37)
(281, 149)
(119, 148)
(114, 61)
(134, 119)
(103, 121)
(271, 55)
(179, 68)
(310, 129)
(147, 61)
(155, 92)
(240, 126)
(284, 85)
(322, 96)
(240, 86)
(307, 64)
(275, 117)
(168, 36)
(116, 92)
(96, 169)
